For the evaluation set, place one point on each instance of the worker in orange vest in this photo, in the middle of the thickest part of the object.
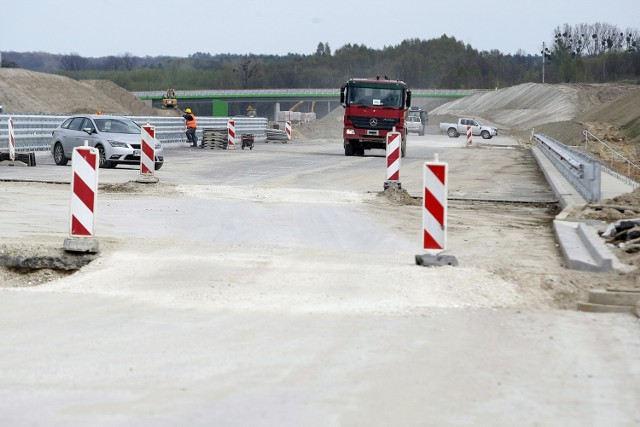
(190, 118)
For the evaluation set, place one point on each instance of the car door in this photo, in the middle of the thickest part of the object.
(475, 127)
(71, 137)
(88, 132)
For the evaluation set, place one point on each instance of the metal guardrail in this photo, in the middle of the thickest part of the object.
(582, 172)
(261, 93)
(33, 132)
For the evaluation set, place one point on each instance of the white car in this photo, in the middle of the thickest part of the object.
(118, 140)
(414, 124)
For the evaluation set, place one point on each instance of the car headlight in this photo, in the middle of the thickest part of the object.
(117, 144)
(350, 132)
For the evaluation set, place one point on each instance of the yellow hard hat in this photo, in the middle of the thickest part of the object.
(188, 110)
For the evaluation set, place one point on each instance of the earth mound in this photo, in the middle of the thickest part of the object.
(30, 92)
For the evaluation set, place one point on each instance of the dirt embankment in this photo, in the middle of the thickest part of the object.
(29, 92)
(561, 111)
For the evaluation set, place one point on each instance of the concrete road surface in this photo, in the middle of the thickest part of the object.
(275, 287)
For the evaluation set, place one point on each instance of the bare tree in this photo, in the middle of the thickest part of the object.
(128, 61)
(73, 62)
(248, 69)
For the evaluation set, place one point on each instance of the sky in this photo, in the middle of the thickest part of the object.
(96, 28)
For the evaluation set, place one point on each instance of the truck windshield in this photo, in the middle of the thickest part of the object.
(375, 96)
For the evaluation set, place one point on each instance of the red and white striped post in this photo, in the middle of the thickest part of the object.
(393, 159)
(434, 215)
(469, 141)
(231, 132)
(148, 155)
(84, 194)
(12, 140)
(287, 129)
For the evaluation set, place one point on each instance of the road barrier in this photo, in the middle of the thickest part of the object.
(84, 192)
(148, 155)
(434, 215)
(469, 136)
(580, 170)
(287, 129)
(33, 132)
(231, 132)
(393, 159)
(12, 140)
(434, 209)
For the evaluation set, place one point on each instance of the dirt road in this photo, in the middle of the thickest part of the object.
(277, 287)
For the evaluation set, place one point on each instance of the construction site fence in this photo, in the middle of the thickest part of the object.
(33, 132)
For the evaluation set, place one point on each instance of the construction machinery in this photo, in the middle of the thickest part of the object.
(169, 99)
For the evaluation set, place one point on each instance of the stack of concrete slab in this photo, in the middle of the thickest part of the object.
(612, 301)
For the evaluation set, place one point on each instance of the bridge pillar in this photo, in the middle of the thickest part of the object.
(276, 111)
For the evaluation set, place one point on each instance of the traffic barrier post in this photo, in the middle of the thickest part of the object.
(148, 155)
(469, 134)
(287, 129)
(231, 131)
(12, 140)
(393, 159)
(10, 158)
(84, 194)
(434, 215)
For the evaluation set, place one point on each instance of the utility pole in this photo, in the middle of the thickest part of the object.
(544, 53)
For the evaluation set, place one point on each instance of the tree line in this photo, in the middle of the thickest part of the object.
(582, 53)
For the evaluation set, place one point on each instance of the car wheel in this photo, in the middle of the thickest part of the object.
(453, 133)
(485, 134)
(102, 158)
(159, 165)
(58, 155)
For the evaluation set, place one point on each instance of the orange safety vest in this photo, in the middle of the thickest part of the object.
(192, 123)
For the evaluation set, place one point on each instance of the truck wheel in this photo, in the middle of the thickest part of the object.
(403, 148)
(348, 149)
(485, 134)
(453, 133)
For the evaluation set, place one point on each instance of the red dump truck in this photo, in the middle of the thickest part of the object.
(373, 107)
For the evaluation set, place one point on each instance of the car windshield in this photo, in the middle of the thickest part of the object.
(377, 96)
(117, 126)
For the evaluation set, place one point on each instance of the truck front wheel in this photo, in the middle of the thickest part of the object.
(452, 133)
(348, 149)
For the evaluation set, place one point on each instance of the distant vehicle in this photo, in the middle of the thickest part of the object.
(118, 140)
(424, 116)
(169, 99)
(373, 108)
(414, 124)
(477, 128)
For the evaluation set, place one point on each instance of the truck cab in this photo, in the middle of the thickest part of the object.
(373, 108)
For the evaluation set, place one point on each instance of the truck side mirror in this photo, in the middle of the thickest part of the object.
(408, 98)
(342, 101)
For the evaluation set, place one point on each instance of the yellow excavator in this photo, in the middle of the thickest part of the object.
(169, 99)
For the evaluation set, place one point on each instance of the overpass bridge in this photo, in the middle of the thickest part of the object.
(268, 102)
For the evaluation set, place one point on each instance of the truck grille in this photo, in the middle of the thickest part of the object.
(365, 123)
